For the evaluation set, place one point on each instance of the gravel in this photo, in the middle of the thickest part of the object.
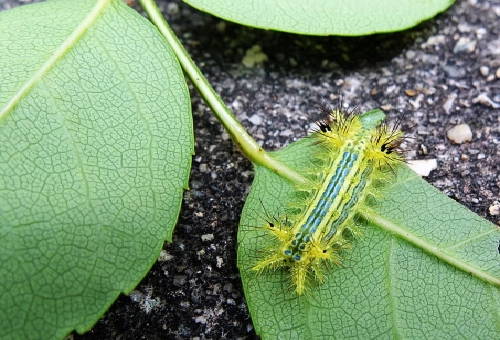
(450, 64)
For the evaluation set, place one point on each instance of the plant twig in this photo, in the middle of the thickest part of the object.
(238, 133)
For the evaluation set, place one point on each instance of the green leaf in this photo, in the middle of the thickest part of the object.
(412, 275)
(95, 150)
(319, 17)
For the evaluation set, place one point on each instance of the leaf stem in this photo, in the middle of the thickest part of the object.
(238, 133)
(430, 248)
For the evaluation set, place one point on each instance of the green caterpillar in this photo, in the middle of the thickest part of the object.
(356, 159)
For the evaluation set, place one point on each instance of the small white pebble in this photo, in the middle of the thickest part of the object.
(481, 32)
(410, 54)
(255, 119)
(200, 319)
(463, 27)
(203, 167)
(207, 237)
(460, 134)
(225, 136)
(423, 167)
(136, 296)
(448, 104)
(494, 209)
(386, 107)
(434, 41)
(165, 256)
(496, 9)
(484, 70)
(465, 44)
(424, 149)
(237, 104)
(286, 133)
(485, 100)
(172, 9)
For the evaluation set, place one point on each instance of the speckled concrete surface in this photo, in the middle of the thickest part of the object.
(442, 73)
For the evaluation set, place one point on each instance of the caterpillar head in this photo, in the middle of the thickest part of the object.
(338, 126)
(385, 146)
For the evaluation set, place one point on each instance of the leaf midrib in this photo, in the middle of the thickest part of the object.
(430, 248)
(56, 56)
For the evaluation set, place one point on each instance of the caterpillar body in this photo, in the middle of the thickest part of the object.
(357, 158)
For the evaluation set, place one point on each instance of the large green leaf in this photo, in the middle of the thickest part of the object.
(321, 17)
(402, 279)
(95, 150)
